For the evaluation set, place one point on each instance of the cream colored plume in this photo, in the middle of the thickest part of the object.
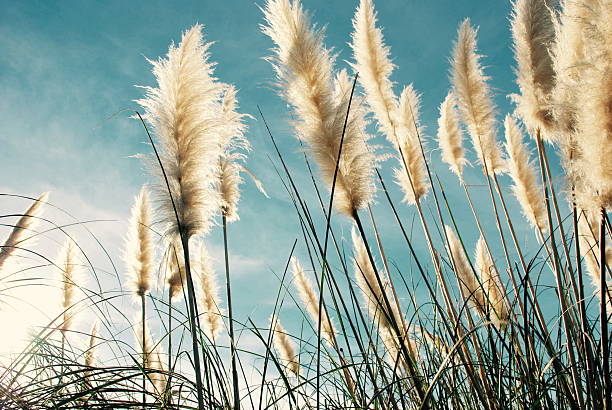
(494, 290)
(184, 111)
(90, 355)
(138, 252)
(23, 227)
(533, 34)
(144, 341)
(176, 276)
(468, 282)
(568, 62)
(474, 98)
(594, 105)
(450, 136)
(365, 276)
(374, 296)
(285, 347)
(588, 226)
(159, 379)
(234, 145)
(304, 69)
(209, 295)
(412, 175)
(69, 270)
(523, 172)
(374, 66)
(311, 301)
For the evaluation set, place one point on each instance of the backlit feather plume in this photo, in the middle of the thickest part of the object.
(374, 296)
(68, 264)
(90, 354)
(23, 227)
(374, 66)
(594, 105)
(304, 68)
(138, 252)
(209, 296)
(285, 347)
(474, 98)
(468, 282)
(588, 226)
(450, 136)
(522, 170)
(412, 175)
(234, 144)
(185, 114)
(176, 269)
(311, 301)
(493, 287)
(533, 34)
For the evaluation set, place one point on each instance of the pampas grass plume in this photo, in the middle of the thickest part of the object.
(493, 288)
(138, 252)
(522, 170)
(311, 301)
(412, 176)
(374, 66)
(213, 322)
(533, 34)
(234, 143)
(184, 112)
(176, 266)
(468, 282)
(304, 68)
(474, 98)
(450, 136)
(285, 346)
(24, 225)
(69, 268)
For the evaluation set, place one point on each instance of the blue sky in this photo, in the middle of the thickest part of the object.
(67, 76)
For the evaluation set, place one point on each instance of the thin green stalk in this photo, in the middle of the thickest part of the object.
(231, 317)
(191, 299)
(144, 354)
(603, 318)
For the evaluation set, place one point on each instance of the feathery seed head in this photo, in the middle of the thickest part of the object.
(233, 142)
(468, 283)
(494, 290)
(412, 174)
(138, 252)
(285, 346)
(304, 69)
(209, 294)
(474, 98)
(533, 34)
(23, 227)
(176, 266)
(311, 301)
(522, 170)
(450, 136)
(69, 270)
(184, 111)
(374, 66)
